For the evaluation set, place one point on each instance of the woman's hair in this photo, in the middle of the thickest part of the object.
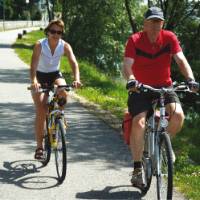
(57, 22)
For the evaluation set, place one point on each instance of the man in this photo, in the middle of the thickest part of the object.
(147, 60)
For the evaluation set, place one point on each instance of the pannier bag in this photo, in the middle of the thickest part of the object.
(126, 127)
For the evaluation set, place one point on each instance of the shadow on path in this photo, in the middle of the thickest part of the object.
(15, 173)
(89, 138)
(5, 46)
(110, 193)
(22, 46)
(14, 76)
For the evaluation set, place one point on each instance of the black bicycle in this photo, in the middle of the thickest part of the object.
(55, 131)
(158, 153)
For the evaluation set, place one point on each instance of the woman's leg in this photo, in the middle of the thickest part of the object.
(62, 93)
(41, 110)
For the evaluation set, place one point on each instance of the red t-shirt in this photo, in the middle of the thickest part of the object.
(152, 62)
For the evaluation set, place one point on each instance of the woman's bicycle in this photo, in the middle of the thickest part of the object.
(158, 153)
(55, 131)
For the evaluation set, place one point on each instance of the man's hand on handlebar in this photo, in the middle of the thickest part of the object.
(132, 85)
(193, 85)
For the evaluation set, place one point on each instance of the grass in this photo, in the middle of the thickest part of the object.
(111, 95)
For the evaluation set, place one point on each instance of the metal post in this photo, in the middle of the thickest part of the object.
(27, 2)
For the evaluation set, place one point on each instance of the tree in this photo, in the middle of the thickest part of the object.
(49, 10)
(98, 29)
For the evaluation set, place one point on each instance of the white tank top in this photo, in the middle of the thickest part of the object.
(47, 61)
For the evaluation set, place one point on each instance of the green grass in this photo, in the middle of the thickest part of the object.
(111, 95)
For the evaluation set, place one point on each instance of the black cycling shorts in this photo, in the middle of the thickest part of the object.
(141, 102)
(48, 79)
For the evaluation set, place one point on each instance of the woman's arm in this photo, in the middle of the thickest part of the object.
(73, 63)
(34, 62)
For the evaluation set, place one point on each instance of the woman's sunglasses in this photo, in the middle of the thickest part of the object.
(55, 32)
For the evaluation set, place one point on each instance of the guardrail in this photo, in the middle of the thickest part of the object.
(9, 25)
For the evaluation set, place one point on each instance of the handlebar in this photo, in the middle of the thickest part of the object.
(182, 87)
(54, 88)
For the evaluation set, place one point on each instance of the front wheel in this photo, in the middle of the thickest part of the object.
(165, 170)
(60, 151)
(147, 166)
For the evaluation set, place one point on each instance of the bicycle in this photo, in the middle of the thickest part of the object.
(157, 155)
(55, 131)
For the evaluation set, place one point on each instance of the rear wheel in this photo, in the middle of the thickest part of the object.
(60, 151)
(165, 177)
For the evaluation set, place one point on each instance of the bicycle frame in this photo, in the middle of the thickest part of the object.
(54, 113)
(155, 128)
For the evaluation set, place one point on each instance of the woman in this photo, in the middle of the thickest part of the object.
(44, 71)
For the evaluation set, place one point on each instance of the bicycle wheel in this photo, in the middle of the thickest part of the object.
(147, 166)
(165, 177)
(46, 145)
(60, 151)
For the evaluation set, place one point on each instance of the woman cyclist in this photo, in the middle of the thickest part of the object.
(45, 71)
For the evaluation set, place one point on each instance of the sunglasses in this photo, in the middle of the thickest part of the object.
(55, 32)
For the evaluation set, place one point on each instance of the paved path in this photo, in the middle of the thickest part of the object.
(98, 162)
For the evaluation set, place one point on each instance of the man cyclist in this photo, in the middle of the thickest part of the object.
(45, 71)
(147, 60)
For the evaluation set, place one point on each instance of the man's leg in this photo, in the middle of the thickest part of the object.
(176, 121)
(137, 146)
(137, 136)
(176, 115)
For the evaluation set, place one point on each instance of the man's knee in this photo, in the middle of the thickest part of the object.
(138, 122)
(177, 118)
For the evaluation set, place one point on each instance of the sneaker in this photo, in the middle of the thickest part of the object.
(138, 179)
(173, 156)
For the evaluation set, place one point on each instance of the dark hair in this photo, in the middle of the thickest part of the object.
(57, 22)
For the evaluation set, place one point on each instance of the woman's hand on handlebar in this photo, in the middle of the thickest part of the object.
(77, 84)
(35, 86)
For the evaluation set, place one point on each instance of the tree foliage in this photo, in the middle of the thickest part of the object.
(98, 29)
(19, 10)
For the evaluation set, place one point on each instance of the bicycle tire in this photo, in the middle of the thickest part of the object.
(61, 151)
(46, 145)
(165, 178)
(147, 166)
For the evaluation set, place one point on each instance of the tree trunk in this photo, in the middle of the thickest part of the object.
(48, 10)
(131, 19)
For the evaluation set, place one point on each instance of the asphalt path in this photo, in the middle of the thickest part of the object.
(99, 163)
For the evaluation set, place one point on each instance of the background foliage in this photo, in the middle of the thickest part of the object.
(98, 30)
(19, 10)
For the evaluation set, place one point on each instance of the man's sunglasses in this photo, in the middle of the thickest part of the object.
(55, 32)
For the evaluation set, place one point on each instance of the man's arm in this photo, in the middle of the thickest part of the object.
(184, 66)
(127, 68)
(73, 62)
